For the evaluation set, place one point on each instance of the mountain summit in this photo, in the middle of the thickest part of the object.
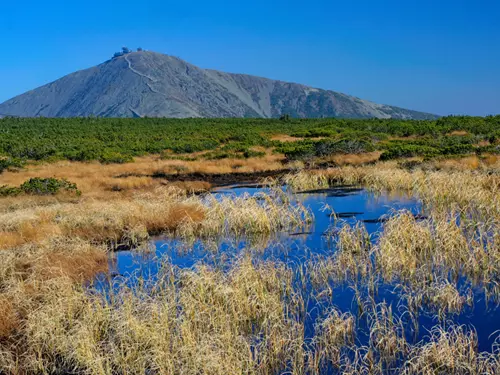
(144, 83)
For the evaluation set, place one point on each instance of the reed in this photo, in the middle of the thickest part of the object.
(249, 316)
(440, 298)
(351, 261)
(190, 322)
(452, 351)
(166, 210)
(332, 335)
(469, 192)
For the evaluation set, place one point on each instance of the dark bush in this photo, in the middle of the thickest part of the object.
(253, 154)
(115, 157)
(10, 163)
(48, 186)
(402, 150)
(9, 191)
(343, 146)
(119, 139)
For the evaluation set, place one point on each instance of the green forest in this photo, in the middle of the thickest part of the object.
(113, 140)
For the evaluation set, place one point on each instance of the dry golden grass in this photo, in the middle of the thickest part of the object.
(354, 159)
(190, 186)
(333, 334)
(25, 226)
(193, 321)
(467, 163)
(440, 297)
(305, 180)
(78, 267)
(246, 317)
(491, 160)
(97, 180)
(351, 260)
(130, 220)
(8, 318)
(453, 190)
(458, 133)
(485, 163)
(128, 183)
(59, 257)
(289, 138)
(452, 351)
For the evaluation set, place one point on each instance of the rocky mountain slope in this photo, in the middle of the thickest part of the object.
(151, 84)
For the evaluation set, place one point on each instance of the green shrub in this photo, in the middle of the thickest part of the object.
(48, 186)
(253, 154)
(115, 158)
(401, 150)
(9, 191)
(300, 150)
(118, 140)
(343, 146)
(8, 163)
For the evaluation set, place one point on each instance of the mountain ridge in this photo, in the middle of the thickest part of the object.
(144, 83)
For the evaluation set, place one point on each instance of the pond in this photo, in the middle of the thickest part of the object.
(352, 205)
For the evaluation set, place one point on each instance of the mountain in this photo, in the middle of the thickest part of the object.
(151, 84)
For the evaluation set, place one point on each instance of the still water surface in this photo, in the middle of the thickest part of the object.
(352, 205)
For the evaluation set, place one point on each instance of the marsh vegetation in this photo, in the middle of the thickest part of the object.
(361, 266)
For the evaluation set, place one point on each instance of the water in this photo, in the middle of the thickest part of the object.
(358, 203)
(352, 205)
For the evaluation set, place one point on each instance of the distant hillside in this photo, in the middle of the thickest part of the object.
(140, 84)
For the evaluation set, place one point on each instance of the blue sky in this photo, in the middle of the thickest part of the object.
(437, 56)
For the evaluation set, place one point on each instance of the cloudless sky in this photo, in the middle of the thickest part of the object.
(439, 56)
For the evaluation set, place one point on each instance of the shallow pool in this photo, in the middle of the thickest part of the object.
(351, 205)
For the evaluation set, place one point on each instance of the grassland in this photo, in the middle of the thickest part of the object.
(250, 316)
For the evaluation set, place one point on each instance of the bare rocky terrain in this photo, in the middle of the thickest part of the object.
(151, 84)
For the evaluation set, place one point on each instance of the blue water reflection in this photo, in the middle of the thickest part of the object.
(351, 205)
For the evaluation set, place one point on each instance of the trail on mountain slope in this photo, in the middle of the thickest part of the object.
(167, 96)
(137, 72)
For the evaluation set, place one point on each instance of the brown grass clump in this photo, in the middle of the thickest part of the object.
(350, 262)
(75, 260)
(303, 180)
(333, 334)
(9, 320)
(289, 138)
(116, 223)
(190, 186)
(129, 183)
(451, 352)
(491, 160)
(468, 163)
(166, 210)
(458, 133)
(441, 298)
(200, 321)
(354, 159)
(19, 229)
(78, 267)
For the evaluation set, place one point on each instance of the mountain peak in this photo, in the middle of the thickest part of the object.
(147, 83)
